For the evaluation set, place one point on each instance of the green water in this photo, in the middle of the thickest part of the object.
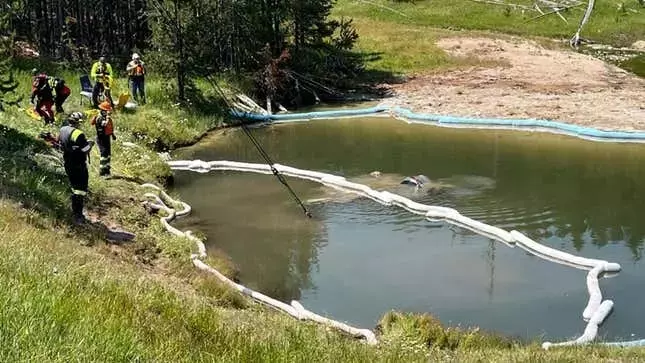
(635, 65)
(356, 259)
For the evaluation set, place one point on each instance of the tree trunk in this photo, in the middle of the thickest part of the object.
(180, 47)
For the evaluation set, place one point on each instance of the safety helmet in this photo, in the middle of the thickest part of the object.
(135, 56)
(41, 79)
(34, 71)
(105, 106)
(76, 117)
(102, 59)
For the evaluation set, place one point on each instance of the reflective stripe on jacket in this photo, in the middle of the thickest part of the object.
(74, 145)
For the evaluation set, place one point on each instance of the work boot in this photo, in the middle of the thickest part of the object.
(77, 209)
(79, 219)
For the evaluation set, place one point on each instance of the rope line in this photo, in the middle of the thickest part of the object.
(261, 150)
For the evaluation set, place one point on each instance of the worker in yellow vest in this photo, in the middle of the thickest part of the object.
(101, 73)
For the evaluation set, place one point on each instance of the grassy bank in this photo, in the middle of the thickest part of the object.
(70, 296)
(400, 36)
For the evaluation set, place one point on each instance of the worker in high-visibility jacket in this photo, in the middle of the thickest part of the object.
(101, 73)
(137, 71)
(104, 136)
(76, 147)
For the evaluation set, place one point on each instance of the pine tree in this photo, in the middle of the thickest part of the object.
(7, 83)
(168, 21)
(310, 21)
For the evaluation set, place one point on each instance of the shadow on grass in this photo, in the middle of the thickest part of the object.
(41, 188)
(364, 83)
(24, 180)
(374, 76)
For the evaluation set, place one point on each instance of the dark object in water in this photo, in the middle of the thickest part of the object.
(417, 180)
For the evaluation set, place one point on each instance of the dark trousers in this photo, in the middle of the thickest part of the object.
(61, 96)
(138, 86)
(99, 88)
(78, 178)
(60, 99)
(104, 143)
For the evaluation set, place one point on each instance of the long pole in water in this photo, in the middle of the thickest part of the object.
(264, 155)
(273, 169)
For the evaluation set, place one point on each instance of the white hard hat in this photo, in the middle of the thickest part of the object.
(135, 56)
(76, 117)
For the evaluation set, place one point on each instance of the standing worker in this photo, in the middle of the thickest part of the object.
(42, 97)
(137, 71)
(101, 73)
(75, 150)
(104, 136)
(62, 92)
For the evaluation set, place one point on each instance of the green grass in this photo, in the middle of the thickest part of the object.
(164, 125)
(609, 23)
(406, 44)
(405, 49)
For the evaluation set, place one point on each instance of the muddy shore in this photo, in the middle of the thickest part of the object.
(530, 81)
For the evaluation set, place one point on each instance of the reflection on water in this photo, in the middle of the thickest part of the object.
(251, 220)
(357, 259)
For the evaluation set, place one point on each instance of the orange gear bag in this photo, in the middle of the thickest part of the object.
(107, 129)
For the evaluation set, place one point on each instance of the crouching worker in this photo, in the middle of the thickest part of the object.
(75, 148)
(104, 136)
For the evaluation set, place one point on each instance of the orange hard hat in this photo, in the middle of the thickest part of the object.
(105, 106)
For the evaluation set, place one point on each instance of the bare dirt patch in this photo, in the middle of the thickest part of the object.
(533, 82)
